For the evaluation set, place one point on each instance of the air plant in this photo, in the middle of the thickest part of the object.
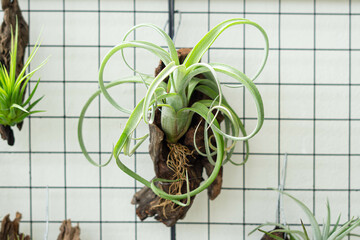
(337, 232)
(13, 107)
(172, 98)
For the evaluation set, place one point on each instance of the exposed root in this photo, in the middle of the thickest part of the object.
(178, 162)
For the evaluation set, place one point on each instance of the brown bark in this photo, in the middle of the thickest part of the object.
(149, 204)
(278, 234)
(7, 134)
(10, 229)
(68, 232)
(11, 11)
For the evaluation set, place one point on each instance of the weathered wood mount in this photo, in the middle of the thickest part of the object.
(68, 232)
(278, 234)
(10, 230)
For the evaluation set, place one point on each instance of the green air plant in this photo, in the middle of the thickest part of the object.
(327, 232)
(172, 103)
(14, 108)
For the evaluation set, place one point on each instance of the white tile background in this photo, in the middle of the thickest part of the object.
(307, 77)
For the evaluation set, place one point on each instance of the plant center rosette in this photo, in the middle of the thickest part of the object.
(192, 125)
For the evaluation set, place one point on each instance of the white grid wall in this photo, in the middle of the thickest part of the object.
(310, 88)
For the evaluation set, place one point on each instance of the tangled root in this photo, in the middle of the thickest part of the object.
(178, 162)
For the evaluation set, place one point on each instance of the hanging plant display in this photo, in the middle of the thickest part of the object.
(13, 79)
(328, 232)
(183, 106)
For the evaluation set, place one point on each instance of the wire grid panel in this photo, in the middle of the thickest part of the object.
(310, 89)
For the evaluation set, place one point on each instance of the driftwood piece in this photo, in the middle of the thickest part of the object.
(278, 234)
(10, 229)
(11, 12)
(68, 232)
(147, 201)
(7, 134)
(149, 204)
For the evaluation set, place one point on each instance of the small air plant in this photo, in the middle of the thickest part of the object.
(13, 107)
(337, 232)
(183, 106)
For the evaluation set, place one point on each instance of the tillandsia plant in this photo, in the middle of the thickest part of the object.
(337, 232)
(13, 107)
(183, 106)
(12, 15)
